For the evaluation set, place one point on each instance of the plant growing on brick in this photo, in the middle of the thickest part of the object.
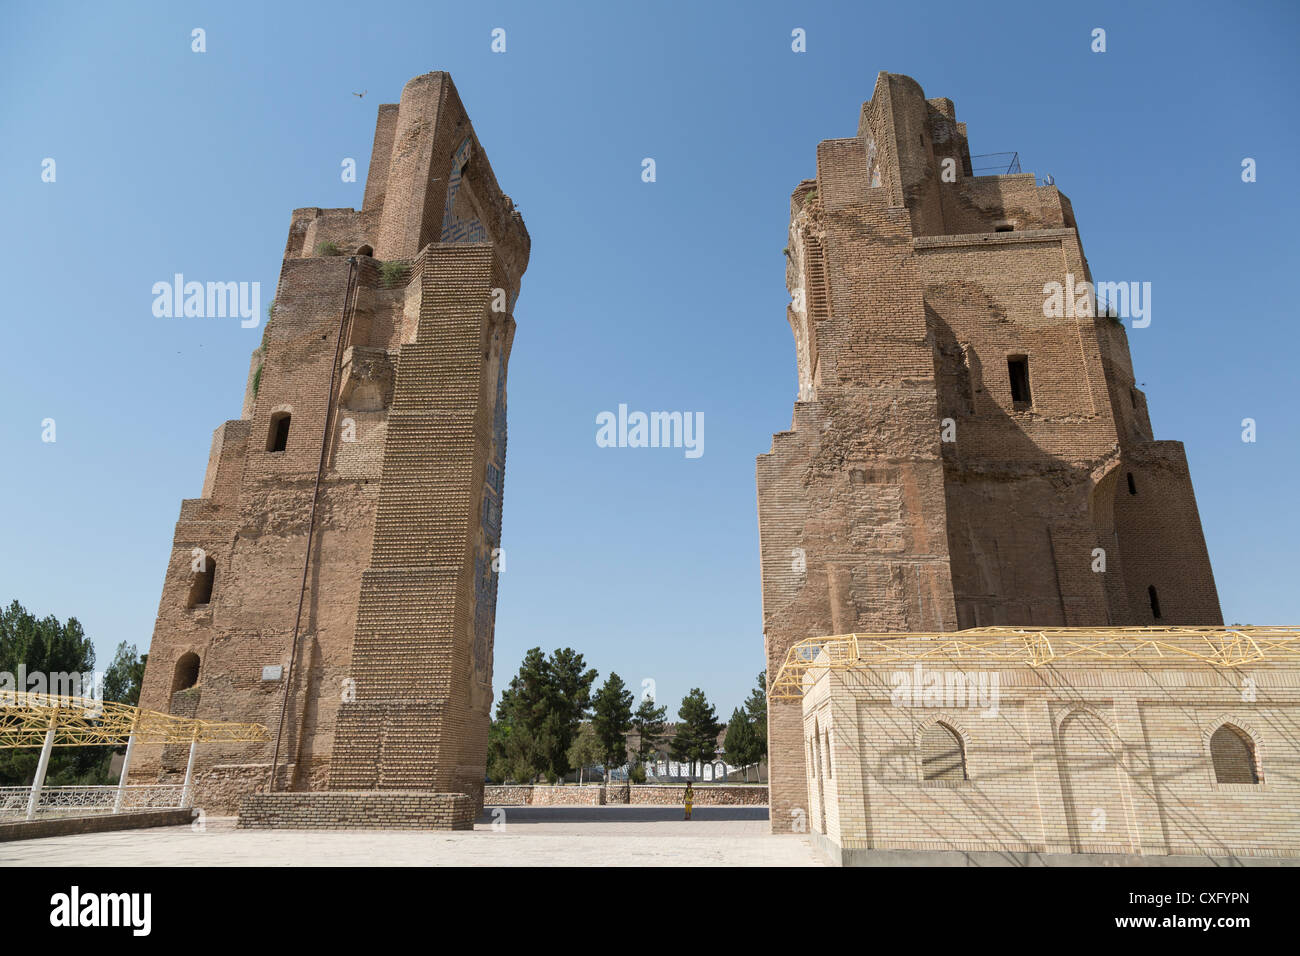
(266, 329)
(392, 273)
(327, 248)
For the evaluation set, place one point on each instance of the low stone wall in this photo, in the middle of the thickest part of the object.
(721, 795)
(66, 826)
(543, 796)
(620, 793)
(358, 810)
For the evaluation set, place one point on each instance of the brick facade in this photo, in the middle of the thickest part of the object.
(1103, 757)
(387, 349)
(339, 810)
(912, 297)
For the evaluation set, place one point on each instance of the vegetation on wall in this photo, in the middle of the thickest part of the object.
(392, 273)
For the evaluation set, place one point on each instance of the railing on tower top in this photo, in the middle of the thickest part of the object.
(995, 164)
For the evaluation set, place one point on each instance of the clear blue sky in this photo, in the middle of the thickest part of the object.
(662, 296)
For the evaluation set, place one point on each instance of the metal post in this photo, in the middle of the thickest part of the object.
(42, 766)
(186, 794)
(126, 768)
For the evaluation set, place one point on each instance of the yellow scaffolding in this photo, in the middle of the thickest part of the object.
(25, 720)
(1035, 646)
(49, 720)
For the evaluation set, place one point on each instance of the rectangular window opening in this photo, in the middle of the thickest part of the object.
(278, 437)
(1018, 370)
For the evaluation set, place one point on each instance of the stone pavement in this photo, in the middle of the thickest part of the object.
(524, 836)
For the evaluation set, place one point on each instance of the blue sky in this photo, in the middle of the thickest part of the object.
(663, 296)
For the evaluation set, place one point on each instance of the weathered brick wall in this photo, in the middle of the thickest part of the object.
(908, 303)
(420, 717)
(218, 790)
(381, 810)
(393, 616)
(1086, 756)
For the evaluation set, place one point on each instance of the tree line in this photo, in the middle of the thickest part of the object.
(45, 646)
(549, 722)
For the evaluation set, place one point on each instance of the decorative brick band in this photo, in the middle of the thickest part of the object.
(357, 810)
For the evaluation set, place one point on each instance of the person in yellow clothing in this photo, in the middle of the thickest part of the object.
(688, 799)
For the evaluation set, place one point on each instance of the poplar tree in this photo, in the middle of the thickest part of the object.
(756, 709)
(611, 717)
(648, 722)
(697, 732)
(740, 744)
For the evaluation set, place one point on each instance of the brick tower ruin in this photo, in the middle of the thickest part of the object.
(356, 502)
(956, 458)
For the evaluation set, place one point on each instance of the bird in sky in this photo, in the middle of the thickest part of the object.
(361, 94)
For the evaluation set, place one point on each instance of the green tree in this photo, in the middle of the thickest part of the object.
(741, 744)
(539, 714)
(32, 646)
(587, 749)
(648, 722)
(499, 767)
(756, 709)
(125, 674)
(570, 698)
(697, 733)
(611, 716)
(515, 750)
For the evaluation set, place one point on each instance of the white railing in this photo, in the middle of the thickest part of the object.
(82, 801)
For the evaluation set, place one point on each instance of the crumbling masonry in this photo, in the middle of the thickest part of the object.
(956, 458)
(372, 446)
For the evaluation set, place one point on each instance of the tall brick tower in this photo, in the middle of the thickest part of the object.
(956, 458)
(356, 503)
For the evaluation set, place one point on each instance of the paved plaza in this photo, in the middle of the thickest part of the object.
(512, 836)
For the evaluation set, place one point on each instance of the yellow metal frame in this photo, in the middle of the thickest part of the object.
(1216, 646)
(25, 720)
